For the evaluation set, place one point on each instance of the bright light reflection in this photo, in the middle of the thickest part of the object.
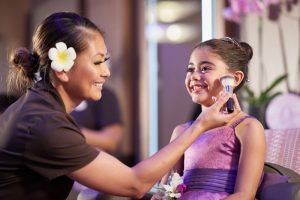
(171, 11)
(155, 32)
(180, 33)
(174, 32)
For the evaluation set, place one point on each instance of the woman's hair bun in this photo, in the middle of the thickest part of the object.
(24, 60)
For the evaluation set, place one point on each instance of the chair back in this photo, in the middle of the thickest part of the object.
(283, 147)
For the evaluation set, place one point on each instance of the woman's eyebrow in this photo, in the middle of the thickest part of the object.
(101, 54)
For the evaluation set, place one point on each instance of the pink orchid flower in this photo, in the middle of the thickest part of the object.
(272, 2)
(239, 8)
(181, 188)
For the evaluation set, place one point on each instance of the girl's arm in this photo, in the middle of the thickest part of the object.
(252, 158)
(107, 174)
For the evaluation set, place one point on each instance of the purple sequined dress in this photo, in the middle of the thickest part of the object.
(210, 164)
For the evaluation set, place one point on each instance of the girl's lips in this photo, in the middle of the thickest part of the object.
(197, 87)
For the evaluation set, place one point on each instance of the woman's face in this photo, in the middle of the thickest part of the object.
(89, 72)
(203, 76)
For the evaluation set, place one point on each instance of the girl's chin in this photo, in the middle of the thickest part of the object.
(199, 99)
(202, 101)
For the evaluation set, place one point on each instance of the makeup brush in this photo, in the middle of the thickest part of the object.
(228, 83)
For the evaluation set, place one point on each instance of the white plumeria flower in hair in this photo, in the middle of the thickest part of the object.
(62, 57)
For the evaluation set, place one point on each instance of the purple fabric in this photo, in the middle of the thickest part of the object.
(217, 180)
(217, 149)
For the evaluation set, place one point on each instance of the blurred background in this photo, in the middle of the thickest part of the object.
(149, 42)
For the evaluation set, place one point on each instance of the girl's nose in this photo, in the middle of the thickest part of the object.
(196, 75)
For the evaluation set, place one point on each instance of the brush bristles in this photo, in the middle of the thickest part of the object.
(227, 80)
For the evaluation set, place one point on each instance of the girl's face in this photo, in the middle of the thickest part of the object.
(89, 72)
(203, 76)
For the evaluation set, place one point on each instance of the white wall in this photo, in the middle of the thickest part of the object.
(272, 51)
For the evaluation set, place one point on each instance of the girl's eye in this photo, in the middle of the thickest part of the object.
(204, 69)
(189, 69)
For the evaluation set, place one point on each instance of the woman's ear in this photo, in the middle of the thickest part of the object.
(62, 76)
(238, 77)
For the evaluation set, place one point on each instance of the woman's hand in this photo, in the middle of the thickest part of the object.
(214, 116)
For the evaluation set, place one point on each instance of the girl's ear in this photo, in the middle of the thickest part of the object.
(238, 77)
(62, 76)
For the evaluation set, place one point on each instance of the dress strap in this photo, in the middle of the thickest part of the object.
(237, 122)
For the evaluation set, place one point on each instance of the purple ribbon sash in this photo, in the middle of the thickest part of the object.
(215, 180)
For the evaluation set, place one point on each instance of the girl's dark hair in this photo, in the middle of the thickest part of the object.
(235, 54)
(67, 27)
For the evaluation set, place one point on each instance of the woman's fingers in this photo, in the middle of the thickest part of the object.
(221, 100)
(236, 103)
(215, 116)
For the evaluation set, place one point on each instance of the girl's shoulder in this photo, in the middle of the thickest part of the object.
(248, 121)
(181, 128)
(249, 127)
(184, 125)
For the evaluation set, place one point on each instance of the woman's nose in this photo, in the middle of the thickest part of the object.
(105, 72)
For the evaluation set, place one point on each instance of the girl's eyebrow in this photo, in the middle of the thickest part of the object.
(190, 63)
(201, 63)
(206, 62)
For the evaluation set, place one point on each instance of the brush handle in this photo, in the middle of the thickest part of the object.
(229, 105)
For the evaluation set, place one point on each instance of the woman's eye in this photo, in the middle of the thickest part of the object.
(101, 61)
(98, 62)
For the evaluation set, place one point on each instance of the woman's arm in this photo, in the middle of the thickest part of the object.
(252, 158)
(107, 174)
(178, 167)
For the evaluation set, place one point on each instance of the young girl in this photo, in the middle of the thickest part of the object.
(42, 150)
(224, 162)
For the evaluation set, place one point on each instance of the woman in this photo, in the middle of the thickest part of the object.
(42, 150)
(225, 162)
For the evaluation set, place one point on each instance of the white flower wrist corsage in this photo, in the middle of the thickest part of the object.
(175, 187)
(62, 57)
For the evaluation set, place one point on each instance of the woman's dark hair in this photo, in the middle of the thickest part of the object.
(235, 54)
(67, 27)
